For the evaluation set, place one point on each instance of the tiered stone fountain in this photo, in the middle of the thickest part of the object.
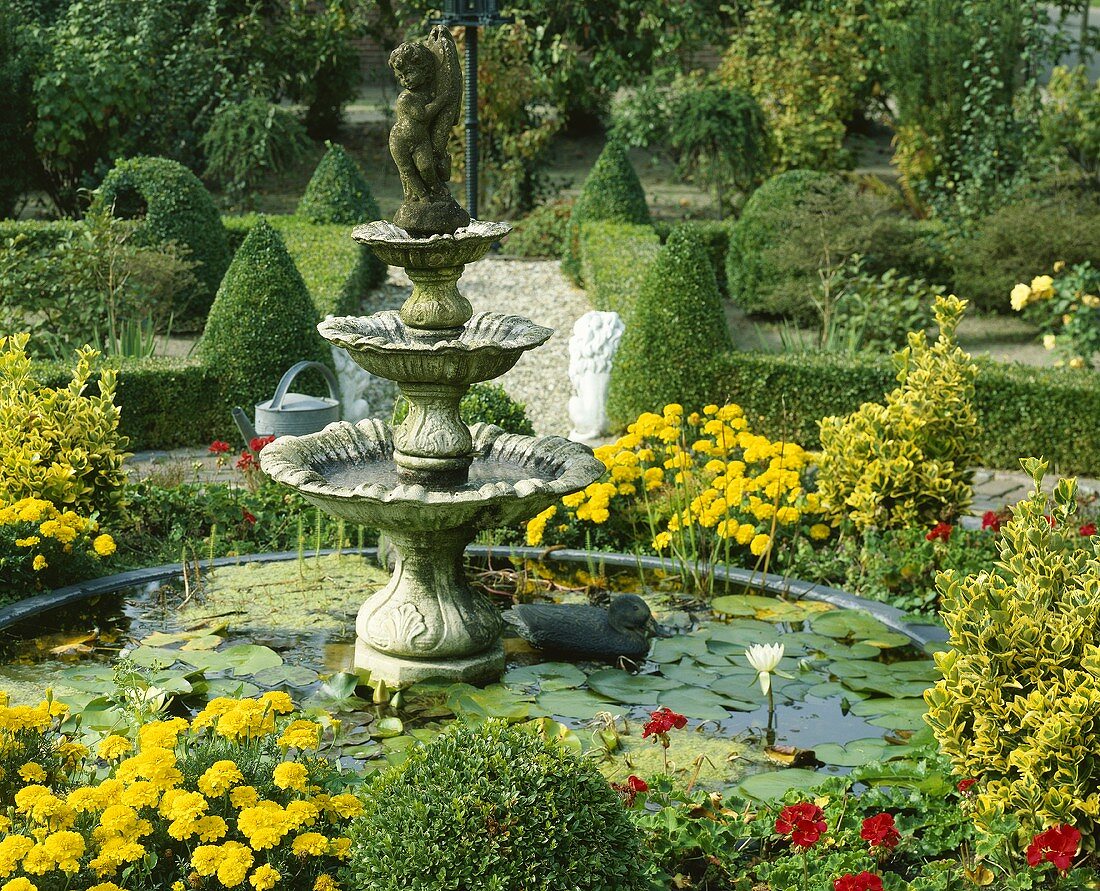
(431, 483)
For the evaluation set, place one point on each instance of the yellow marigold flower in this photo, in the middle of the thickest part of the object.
(5, 823)
(113, 746)
(243, 796)
(307, 734)
(1090, 300)
(673, 408)
(662, 540)
(788, 515)
(39, 563)
(340, 847)
(279, 702)
(654, 477)
(161, 734)
(20, 884)
(27, 542)
(745, 533)
(105, 886)
(345, 805)
(141, 794)
(290, 775)
(65, 849)
(710, 409)
(84, 799)
(264, 825)
(177, 885)
(573, 500)
(729, 412)
(210, 829)
(264, 877)
(236, 861)
(760, 545)
(104, 545)
(325, 882)
(819, 531)
(1020, 297)
(13, 848)
(727, 529)
(205, 859)
(311, 843)
(301, 813)
(668, 434)
(219, 778)
(32, 772)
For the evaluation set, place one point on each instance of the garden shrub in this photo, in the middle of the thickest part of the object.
(262, 321)
(338, 194)
(542, 232)
(716, 236)
(1071, 117)
(799, 227)
(16, 111)
(1019, 701)
(59, 444)
(495, 808)
(615, 258)
(174, 207)
(908, 461)
(1019, 240)
(675, 327)
(612, 191)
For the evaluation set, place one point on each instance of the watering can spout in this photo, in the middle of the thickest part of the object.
(244, 425)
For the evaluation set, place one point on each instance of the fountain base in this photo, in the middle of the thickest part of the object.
(399, 671)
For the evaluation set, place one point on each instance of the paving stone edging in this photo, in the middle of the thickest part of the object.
(921, 634)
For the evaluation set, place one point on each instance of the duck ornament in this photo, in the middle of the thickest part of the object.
(590, 632)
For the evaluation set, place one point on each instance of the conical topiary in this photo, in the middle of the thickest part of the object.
(612, 191)
(338, 193)
(262, 321)
(676, 327)
(175, 206)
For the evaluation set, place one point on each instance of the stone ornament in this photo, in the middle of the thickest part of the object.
(592, 347)
(427, 111)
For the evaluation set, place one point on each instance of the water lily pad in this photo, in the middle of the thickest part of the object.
(889, 640)
(845, 623)
(893, 714)
(690, 673)
(387, 728)
(836, 650)
(694, 702)
(581, 705)
(673, 649)
(549, 729)
(775, 784)
(547, 676)
(852, 754)
(630, 689)
(495, 701)
(290, 675)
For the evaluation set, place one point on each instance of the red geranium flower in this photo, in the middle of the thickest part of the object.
(864, 881)
(249, 518)
(992, 520)
(1059, 845)
(940, 530)
(964, 786)
(1088, 529)
(630, 789)
(662, 721)
(880, 831)
(257, 443)
(804, 823)
(218, 447)
(246, 462)
(637, 784)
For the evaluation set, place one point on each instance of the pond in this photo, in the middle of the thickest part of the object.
(852, 694)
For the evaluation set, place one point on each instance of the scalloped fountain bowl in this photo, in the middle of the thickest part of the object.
(428, 621)
(396, 247)
(487, 346)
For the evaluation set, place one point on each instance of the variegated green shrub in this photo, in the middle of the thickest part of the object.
(908, 461)
(1018, 708)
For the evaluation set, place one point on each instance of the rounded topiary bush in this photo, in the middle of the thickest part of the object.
(175, 207)
(338, 193)
(676, 327)
(262, 321)
(497, 809)
(613, 192)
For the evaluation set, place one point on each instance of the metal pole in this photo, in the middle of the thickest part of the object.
(471, 120)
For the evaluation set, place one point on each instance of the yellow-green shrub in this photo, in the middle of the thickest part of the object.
(1018, 708)
(59, 444)
(908, 461)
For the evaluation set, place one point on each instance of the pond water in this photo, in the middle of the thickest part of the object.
(852, 695)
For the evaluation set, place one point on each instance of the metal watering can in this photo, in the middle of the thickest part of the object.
(293, 414)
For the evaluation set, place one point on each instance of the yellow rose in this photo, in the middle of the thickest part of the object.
(1020, 297)
(1042, 287)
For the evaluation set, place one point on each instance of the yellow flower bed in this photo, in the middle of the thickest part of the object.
(236, 797)
(702, 486)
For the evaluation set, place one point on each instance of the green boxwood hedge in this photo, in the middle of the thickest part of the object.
(38, 235)
(615, 258)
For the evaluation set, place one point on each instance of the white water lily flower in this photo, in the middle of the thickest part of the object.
(765, 659)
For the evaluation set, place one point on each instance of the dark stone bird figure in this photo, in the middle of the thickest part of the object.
(623, 629)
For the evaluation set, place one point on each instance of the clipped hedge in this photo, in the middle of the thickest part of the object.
(612, 191)
(175, 207)
(716, 237)
(615, 258)
(338, 194)
(676, 325)
(38, 236)
(333, 266)
(165, 402)
(1021, 410)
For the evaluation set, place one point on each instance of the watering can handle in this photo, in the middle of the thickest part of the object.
(293, 372)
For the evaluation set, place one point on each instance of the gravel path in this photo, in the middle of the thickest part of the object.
(532, 288)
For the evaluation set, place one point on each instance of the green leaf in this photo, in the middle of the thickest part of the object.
(774, 784)
(630, 689)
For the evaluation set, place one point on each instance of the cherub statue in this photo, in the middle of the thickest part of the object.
(427, 110)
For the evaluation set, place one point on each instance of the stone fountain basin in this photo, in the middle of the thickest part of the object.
(488, 346)
(348, 470)
(396, 247)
